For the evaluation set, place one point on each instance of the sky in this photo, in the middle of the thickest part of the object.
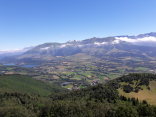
(25, 23)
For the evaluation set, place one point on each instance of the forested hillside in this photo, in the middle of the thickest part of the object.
(25, 84)
(23, 96)
(102, 100)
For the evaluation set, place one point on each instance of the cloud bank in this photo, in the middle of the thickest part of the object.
(16, 50)
(62, 46)
(44, 48)
(82, 45)
(99, 44)
(104, 43)
(145, 39)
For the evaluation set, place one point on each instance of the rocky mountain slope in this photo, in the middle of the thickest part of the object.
(97, 47)
(142, 45)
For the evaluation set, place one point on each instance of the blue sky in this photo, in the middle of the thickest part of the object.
(24, 23)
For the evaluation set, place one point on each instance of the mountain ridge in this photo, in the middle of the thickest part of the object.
(90, 46)
(140, 35)
(93, 46)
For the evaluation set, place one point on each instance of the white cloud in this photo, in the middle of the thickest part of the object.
(116, 42)
(80, 45)
(62, 46)
(125, 39)
(103, 43)
(145, 39)
(16, 50)
(44, 48)
(97, 43)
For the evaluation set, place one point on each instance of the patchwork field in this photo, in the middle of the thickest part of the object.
(85, 68)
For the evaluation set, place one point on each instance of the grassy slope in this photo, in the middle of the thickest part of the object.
(145, 94)
(27, 85)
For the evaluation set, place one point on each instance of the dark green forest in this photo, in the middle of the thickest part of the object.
(102, 100)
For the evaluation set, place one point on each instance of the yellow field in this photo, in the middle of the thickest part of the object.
(145, 94)
(56, 77)
(89, 76)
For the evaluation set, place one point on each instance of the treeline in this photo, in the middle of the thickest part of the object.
(97, 92)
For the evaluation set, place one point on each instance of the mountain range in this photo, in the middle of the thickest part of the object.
(97, 47)
(140, 45)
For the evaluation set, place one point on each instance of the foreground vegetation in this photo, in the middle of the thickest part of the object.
(102, 100)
